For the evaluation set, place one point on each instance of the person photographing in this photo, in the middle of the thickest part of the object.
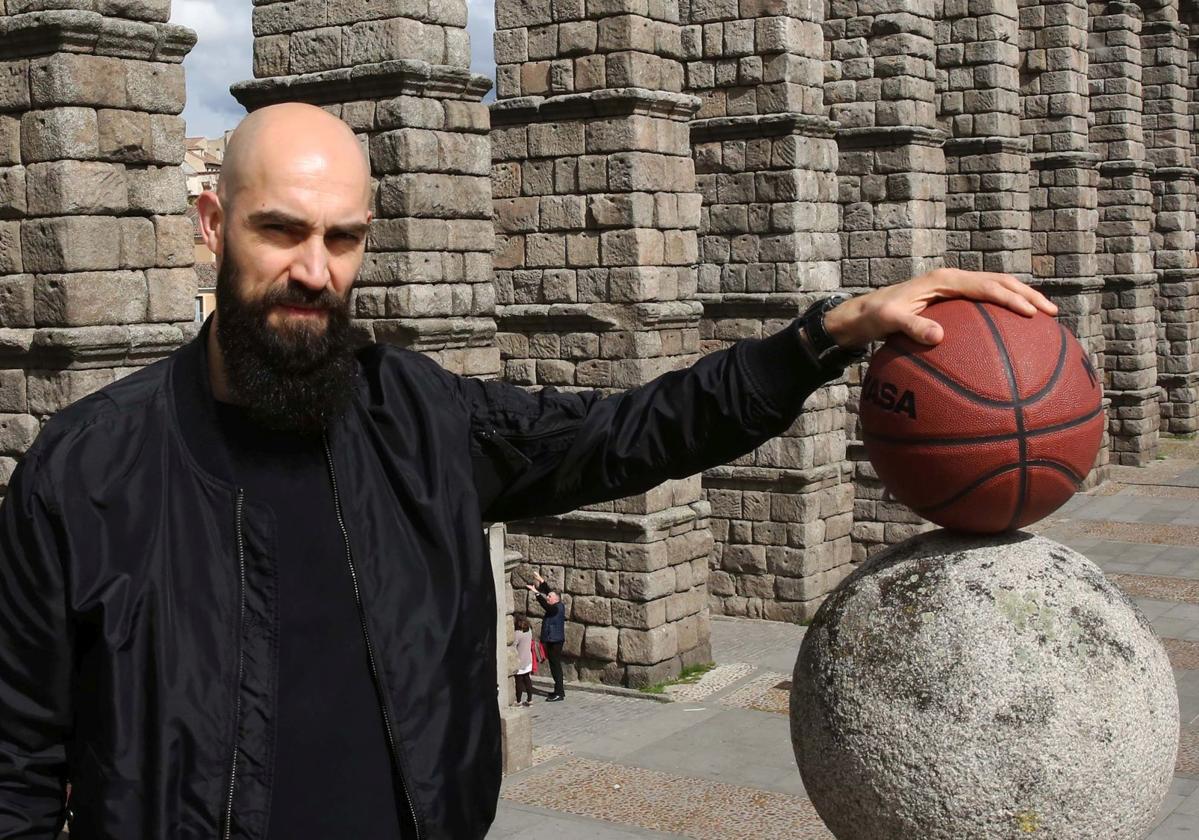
(553, 631)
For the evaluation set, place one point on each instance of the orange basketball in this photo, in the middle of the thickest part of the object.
(993, 428)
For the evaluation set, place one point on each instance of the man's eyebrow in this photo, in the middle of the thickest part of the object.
(279, 217)
(276, 217)
(353, 228)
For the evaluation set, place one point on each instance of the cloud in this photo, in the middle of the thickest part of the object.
(222, 56)
(224, 50)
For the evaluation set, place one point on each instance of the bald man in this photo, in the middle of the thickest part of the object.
(244, 592)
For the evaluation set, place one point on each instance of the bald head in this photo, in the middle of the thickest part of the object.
(288, 225)
(291, 168)
(289, 142)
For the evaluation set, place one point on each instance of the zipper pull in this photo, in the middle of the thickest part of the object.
(511, 455)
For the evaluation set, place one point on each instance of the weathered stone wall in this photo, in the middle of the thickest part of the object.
(986, 157)
(1169, 86)
(1178, 305)
(95, 253)
(308, 36)
(766, 164)
(881, 89)
(1124, 252)
(596, 210)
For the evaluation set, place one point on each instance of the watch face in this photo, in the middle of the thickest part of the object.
(831, 302)
(829, 352)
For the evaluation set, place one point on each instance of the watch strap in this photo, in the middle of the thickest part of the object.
(817, 344)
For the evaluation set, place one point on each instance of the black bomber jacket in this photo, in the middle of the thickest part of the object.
(137, 583)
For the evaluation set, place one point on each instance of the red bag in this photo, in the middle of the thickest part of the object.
(538, 651)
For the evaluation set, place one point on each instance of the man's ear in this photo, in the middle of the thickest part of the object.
(212, 221)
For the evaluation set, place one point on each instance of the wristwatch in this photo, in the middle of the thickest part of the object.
(815, 341)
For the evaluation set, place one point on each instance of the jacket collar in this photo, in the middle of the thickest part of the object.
(195, 408)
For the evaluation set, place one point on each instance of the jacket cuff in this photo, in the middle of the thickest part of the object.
(784, 374)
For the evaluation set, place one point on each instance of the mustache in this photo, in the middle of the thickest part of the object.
(293, 294)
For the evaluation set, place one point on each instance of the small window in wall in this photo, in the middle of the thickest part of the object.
(205, 304)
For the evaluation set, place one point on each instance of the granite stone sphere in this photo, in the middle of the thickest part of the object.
(966, 688)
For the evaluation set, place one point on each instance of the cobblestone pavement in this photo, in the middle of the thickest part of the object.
(768, 692)
(720, 677)
(718, 763)
(662, 801)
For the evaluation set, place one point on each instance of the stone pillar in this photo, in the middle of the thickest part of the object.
(880, 86)
(1168, 130)
(1063, 175)
(1178, 302)
(398, 75)
(596, 214)
(766, 164)
(1124, 256)
(986, 159)
(517, 730)
(96, 255)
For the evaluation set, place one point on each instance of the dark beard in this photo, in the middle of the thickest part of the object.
(292, 379)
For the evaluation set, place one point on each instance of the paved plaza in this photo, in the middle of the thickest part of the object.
(716, 762)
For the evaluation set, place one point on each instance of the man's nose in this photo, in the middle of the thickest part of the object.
(311, 265)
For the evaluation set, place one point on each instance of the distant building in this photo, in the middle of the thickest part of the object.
(202, 169)
(205, 290)
(202, 163)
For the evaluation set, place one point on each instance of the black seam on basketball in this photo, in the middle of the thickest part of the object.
(1021, 440)
(951, 383)
(998, 471)
(1062, 351)
(1059, 427)
(974, 396)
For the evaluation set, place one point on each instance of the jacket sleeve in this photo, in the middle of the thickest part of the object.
(35, 663)
(545, 452)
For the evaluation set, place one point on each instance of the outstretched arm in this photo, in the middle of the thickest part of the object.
(544, 452)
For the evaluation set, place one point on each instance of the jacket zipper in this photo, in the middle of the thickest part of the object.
(370, 648)
(490, 433)
(515, 458)
(241, 620)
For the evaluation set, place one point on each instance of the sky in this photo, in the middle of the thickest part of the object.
(224, 45)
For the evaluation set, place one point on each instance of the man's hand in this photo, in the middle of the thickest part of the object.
(874, 316)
